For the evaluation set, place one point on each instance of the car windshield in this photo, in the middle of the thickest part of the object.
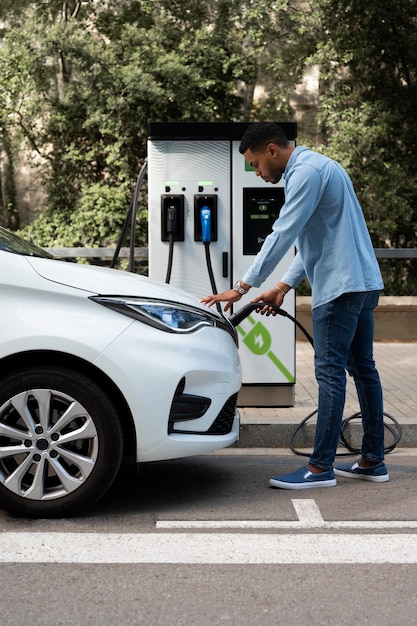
(9, 242)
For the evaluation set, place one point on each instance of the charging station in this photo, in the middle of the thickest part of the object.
(208, 216)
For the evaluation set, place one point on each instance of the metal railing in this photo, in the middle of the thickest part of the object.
(142, 253)
(97, 253)
(396, 253)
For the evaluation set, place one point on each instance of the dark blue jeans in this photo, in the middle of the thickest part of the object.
(343, 332)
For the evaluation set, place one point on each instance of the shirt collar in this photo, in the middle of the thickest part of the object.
(293, 158)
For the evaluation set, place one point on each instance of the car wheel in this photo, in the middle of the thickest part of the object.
(61, 442)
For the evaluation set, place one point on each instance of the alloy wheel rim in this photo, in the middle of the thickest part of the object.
(48, 444)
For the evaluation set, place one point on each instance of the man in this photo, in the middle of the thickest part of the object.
(323, 218)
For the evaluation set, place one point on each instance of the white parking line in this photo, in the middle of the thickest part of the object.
(225, 548)
(308, 514)
(208, 548)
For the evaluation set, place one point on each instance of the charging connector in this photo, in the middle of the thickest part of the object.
(206, 202)
(172, 219)
(205, 217)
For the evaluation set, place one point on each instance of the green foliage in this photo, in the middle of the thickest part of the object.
(96, 219)
(81, 80)
(368, 59)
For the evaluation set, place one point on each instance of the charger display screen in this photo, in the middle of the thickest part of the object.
(261, 207)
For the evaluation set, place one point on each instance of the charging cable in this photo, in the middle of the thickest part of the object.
(131, 217)
(394, 428)
(172, 225)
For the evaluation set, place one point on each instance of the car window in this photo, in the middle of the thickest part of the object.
(9, 242)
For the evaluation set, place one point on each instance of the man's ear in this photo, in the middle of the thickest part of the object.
(272, 149)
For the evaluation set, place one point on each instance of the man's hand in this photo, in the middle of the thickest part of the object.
(273, 296)
(229, 296)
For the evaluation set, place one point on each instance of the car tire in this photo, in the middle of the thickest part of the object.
(61, 442)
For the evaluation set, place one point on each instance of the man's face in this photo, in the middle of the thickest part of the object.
(266, 163)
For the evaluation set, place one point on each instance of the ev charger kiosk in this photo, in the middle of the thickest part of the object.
(194, 166)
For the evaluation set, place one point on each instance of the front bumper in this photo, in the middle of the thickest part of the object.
(181, 390)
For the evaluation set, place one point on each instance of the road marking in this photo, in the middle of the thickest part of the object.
(308, 514)
(209, 548)
(226, 548)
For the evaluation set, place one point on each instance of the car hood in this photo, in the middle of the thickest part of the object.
(105, 281)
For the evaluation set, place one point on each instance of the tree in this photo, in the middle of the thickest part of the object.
(81, 80)
(81, 83)
(368, 58)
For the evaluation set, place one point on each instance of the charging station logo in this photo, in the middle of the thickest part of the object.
(258, 340)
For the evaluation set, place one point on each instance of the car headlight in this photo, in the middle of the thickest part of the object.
(171, 317)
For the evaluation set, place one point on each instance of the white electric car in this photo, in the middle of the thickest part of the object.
(97, 364)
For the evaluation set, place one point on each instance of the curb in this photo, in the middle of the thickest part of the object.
(273, 427)
(255, 435)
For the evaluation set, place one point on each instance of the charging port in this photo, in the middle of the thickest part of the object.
(205, 202)
(172, 217)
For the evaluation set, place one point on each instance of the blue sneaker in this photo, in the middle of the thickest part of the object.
(376, 473)
(304, 479)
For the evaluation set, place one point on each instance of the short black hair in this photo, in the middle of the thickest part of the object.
(260, 134)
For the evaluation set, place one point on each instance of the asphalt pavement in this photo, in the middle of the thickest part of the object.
(275, 427)
(205, 540)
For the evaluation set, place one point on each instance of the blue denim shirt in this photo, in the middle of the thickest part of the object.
(323, 218)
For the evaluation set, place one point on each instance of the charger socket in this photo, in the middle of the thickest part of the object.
(172, 204)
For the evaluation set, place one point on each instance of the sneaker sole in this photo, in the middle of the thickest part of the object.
(319, 483)
(373, 479)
